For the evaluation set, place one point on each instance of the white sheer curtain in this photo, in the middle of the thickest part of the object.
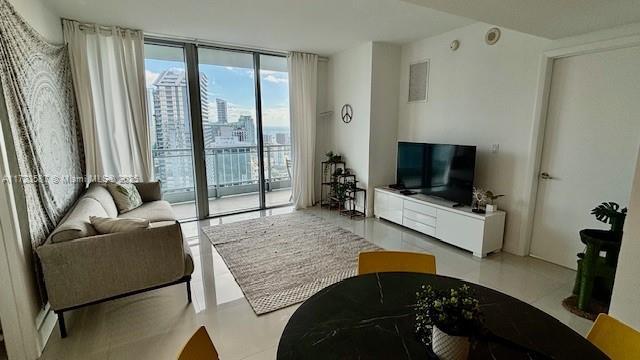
(108, 75)
(303, 79)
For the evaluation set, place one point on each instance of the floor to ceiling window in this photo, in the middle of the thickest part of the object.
(240, 125)
(170, 123)
(274, 86)
(230, 131)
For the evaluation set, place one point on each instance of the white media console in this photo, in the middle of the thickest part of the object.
(479, 233)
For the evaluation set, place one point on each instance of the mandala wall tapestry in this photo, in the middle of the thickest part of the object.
(37, 87)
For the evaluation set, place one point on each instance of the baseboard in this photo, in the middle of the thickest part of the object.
(45, 323)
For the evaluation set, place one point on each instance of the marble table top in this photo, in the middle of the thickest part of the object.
(372, 317)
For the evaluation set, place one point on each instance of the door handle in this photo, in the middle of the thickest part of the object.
(546, 176)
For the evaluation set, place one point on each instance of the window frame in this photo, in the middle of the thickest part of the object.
(190, 48)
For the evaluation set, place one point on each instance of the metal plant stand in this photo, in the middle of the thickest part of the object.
(328, 179)
(352, 201)
(333, 177)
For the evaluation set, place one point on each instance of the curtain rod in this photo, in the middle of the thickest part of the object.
(220, 44)
(96, 26)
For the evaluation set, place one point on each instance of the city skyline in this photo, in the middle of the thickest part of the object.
(167, 99)
(231, 146)
(236, 86)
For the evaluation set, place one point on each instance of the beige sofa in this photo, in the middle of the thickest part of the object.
(81, 267)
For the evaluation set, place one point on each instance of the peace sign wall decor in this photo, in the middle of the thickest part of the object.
(346, 113)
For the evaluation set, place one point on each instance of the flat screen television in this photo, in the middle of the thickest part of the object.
(441, 170)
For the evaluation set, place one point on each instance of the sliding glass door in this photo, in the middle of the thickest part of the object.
(230, 130)
(230, 147)
(276, 129)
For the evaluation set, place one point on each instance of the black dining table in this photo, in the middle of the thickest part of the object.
(373, 317)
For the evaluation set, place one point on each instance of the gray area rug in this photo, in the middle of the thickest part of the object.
(282, 260)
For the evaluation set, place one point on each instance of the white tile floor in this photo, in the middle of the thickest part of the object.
(156, 324)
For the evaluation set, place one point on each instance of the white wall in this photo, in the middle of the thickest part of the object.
(24, 302)
(625, 303)
(479, 95)
(350, 83)
(385, 77)
(37, 14)
(366, 77)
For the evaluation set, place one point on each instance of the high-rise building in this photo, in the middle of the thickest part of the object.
(152, 124)
(283, 138)
(221, 106)
(173, 164)
(268, 139)
(209, 133)
(245, 122)
(229, 146)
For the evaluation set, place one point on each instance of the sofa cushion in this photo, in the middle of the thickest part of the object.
(126, 196)
(114, 225)
(153, 211)
(100, 193)
(149, 191)
(76, 224)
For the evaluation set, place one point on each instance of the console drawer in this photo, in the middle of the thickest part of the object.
(425, 229)
(420, 208)
(421, 218)
(388, 206)
(459, 230)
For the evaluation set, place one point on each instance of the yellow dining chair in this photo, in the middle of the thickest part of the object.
(395, 261)
(199, 347)
(617, 340)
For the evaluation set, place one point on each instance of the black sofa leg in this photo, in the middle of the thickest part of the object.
(189, 291)
(63, 328)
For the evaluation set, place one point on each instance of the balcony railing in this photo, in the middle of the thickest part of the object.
(230, 170)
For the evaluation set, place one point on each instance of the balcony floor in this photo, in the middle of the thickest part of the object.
(232, 203)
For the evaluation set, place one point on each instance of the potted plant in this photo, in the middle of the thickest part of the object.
(333, 158)
(446, 319)
(484, 200)
(609, 212)
(340, 191)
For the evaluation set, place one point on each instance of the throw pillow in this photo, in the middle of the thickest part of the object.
(114, 225)
(126, 196)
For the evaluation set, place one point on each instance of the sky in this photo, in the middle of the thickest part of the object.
(236, 86)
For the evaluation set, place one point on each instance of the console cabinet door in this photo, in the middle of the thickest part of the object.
(388, 207)
(459, 230)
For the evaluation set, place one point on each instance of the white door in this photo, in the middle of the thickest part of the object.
(591, 142)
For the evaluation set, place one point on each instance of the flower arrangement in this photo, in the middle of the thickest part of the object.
(454, 311)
